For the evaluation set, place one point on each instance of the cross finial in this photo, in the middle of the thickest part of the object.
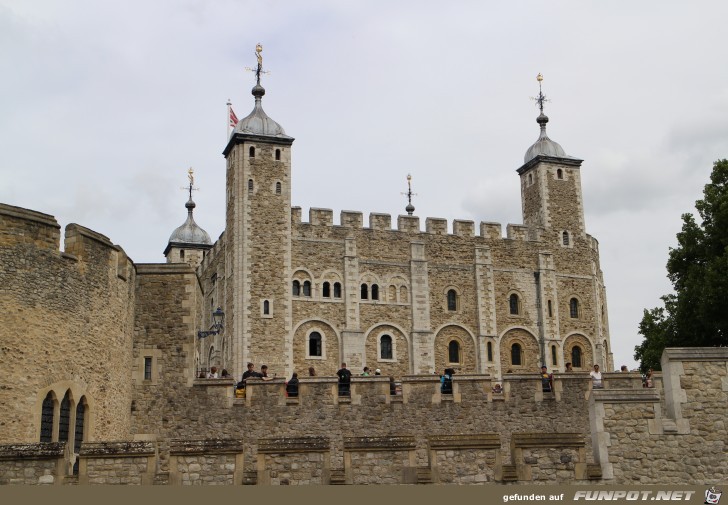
(409, 194)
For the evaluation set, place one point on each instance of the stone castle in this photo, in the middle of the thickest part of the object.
(104, 355)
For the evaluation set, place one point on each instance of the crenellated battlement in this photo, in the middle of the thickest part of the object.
(319, 217)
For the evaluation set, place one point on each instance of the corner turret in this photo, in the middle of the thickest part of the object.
(188, 243)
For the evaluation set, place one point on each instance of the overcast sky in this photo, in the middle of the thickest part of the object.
(104, 105)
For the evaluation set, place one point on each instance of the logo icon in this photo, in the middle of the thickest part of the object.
(712, 496)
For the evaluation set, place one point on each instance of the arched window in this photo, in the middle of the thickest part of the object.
(337, 290)
(251, 152)
(79, 428)
(452, 300)
(576, 356)
(278, 155)
(364, 292)
(278, 188)
(266, 307)
(65, 418)
(250, 185)
(46, 419)
(326, 290)
(453, 351)
(513, 303)
(314, 344)
(560, 174)
(385, 347)
(565, 238)
(296, 288)
(554, 361)
(530, 179)
(574, 308)
(516, 355)
(403, 294)
(490, 351)
(392, 293)
(306, 288)
(375, 292)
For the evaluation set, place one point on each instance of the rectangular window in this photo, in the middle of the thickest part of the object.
(147, 368)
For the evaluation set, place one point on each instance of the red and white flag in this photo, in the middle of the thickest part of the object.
(233, 118)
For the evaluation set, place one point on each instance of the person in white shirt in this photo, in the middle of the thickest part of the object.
(212, 374)
(596, 376)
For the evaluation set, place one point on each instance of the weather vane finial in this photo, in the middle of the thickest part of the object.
(259, 69)
(191, 177)
(409, 194)
(540, 99)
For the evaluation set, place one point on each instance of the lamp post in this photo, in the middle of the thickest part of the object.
(218, 318)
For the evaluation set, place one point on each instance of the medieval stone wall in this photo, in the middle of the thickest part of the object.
(66, 324)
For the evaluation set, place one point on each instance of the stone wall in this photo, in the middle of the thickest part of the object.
(67, 320)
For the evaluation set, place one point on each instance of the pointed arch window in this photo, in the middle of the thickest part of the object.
(46, 419)
(452, 300)
(453, 351)
(337, 290)
(574, 308)
(296, 288)
(64, 420)
(516, 355)
(314, 344)
(385, 347)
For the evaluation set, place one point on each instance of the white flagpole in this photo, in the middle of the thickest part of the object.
(228, 120)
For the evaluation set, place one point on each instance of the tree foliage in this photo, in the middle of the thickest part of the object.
(696, 315)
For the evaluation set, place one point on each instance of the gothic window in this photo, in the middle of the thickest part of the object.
(296, 288)
(490, 351)
(65, 418)
(551, 313)
(278, 155)
(375, 292)
(385, 347)
(565, 238)
(576, 356)
(326, 290)
(251, 152)
(513, 304)
(78, 429)
(46, 419)
(306, 288)
(574, 308)
(453, 351)
(337, 290)
(147, 368)
(452, 300)
(516, 355)
(266, 308)
(278, 188)
(559, 174)
(364, 292)
(250, 185)
(554, 361)
(314, 344)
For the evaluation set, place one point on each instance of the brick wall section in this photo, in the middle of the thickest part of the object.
(67, 320)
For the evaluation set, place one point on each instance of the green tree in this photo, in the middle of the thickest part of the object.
(696, 315)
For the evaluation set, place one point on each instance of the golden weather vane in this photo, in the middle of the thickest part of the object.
(259, 69)
(191, 177)
(541, 98)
